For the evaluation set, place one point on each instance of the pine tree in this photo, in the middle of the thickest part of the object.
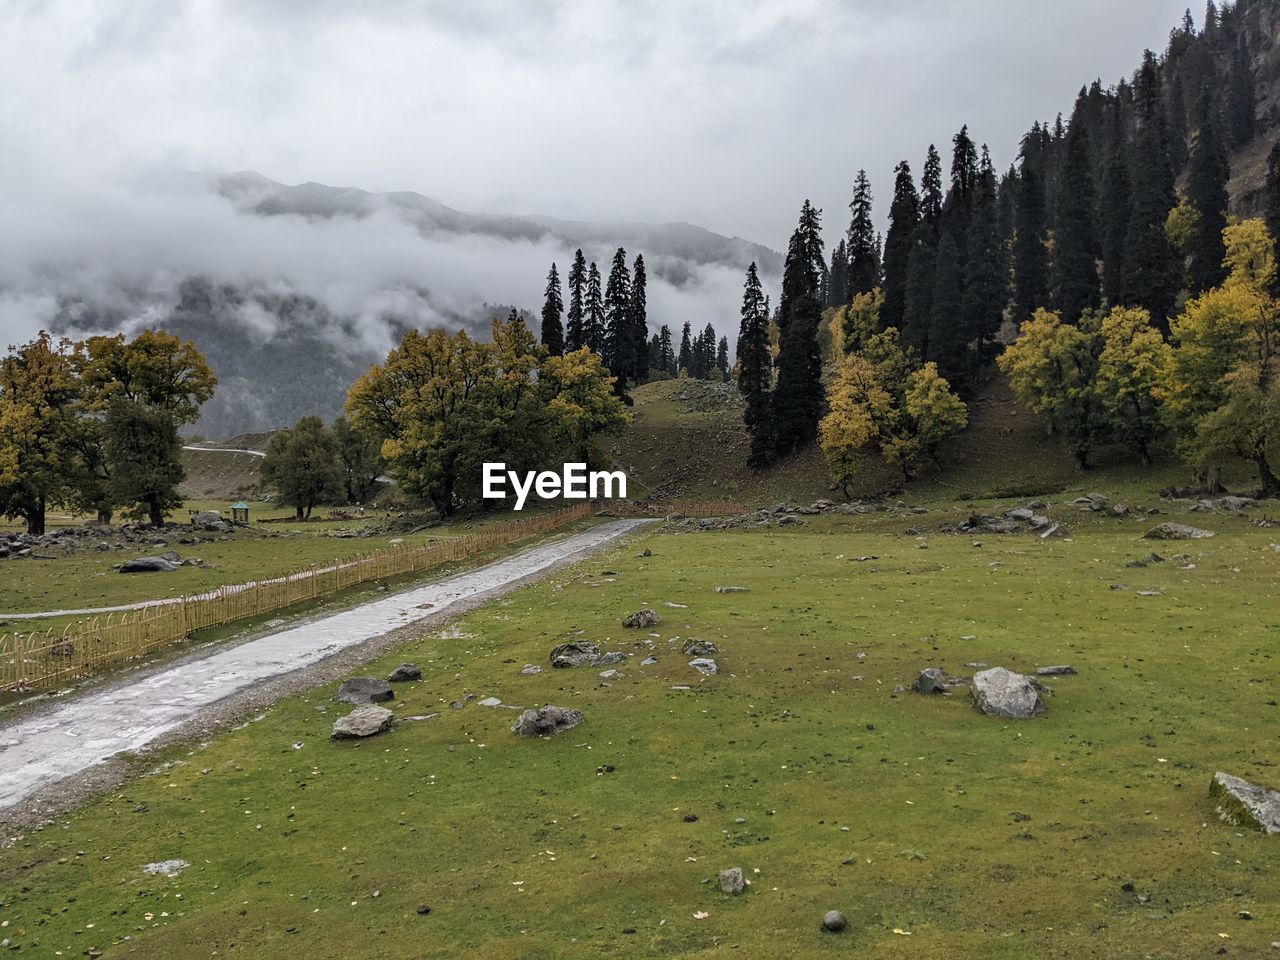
(917, 308)
(1242, 106)
(1115, 213)
(1151, 268)
(666, 356)
(904, 216)
(986, 272)
(1075, 262)
(862, 247)
(576, 331)
(654, 353)
(838, 283)
(1271, 210)
(946, 328)
(639, 319)
(1030, 259)
(1207, 193)
(552, 311)
(594, 323)
(931, 186)
(686, 350)
(722, 359)
(798, 397)
(619, 344)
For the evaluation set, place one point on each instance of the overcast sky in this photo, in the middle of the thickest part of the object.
(725, 114)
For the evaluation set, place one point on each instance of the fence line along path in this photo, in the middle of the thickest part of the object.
(84, 731)
(30, 661)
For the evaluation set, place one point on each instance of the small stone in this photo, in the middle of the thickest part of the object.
(574, 654)
(1002, 693)
(546, 721)
(490, 702)
(423, 910)
(361, 690)
(404, 673)
(705, 666)
(1061, 670)
(732, 880)
(642, 619)
(699, 648)
(731, 589)
(166, 868)
(833, 921)
(531, 669)
(931, 680)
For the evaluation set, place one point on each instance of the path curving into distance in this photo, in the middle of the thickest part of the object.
(68, 740)
(252, 453)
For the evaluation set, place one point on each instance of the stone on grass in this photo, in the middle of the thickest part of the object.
(1059, 670)
(833, 921)
(148, 565)
(363, 722)
(531, 669)
(1055, 532)
(931, 680)
(1176, 531)
(166, 868)
(546, 721)
(705, 665)
(731, 589)
(1244, 804)
(610, 658)
(641, 619)
(1002, 693)
(732, 880)
(404, 673)
(574, 654)
(360, 690)
(699, 648)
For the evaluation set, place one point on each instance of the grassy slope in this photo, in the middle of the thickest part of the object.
(527, 849)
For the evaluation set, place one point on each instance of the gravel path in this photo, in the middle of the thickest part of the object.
(70, 740)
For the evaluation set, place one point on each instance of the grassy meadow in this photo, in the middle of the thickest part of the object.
(939, 832)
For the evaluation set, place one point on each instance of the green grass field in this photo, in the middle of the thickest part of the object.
(938, 831)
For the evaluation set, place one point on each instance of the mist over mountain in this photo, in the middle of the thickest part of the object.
(293, 291)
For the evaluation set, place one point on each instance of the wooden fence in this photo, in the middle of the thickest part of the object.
(30, 661)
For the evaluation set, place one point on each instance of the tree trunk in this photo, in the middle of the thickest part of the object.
(157, 515)
(35, 518)
(1211, 482)
(1270, 483)
(297, 513)
(104, 516)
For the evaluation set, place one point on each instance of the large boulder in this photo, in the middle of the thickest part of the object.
(363, 722)
(1003, 693)
(149, 565)
(404, 673)
(642, 619)
(575, 653)
(1177, 531)
(546, 721)
(1244, 804)
(362, 690)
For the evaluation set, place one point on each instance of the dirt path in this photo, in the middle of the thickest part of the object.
(70, 740)
(252, 453)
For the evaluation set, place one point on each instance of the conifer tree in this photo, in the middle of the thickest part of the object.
(619, 344)
(576, 330)
(1114, 214)
(1075, 261)
(838, 282)
(666, 356)
(1207, 192)
(594, 323)
(722, 359)
(862, 247)
(1030, 260)
(931, 186)
(552, 311)
(798, 396)
(639, 319)
(918, 313)
(1271, 211)
(946, 331)
(1241, 102)
(986, 272)
(904, 216)
(686, 349)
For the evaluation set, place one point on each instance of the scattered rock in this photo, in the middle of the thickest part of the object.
(1062, 670)
(609, 674)
(931, 680)
(699, 648)
(648, 661)
(1056, 531)
(1244, 804)
(732, 880)
(361, 690)
(705, 666)
(404, 673)
(574, 654)
(363, 722)
(610, 658)
(1146, 561)
(731, 589)
(833, 921)
(531, 668)
(149, 565)
(490, 702)
(642, 619)
(1002, 693)
(546, 721)
(789, 520)
(166, 868)
(1176, 531)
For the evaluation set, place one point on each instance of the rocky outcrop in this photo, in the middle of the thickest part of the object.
(1244, 804)
(1176, 531)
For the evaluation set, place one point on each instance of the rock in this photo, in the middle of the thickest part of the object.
(1021, 513)
(1176, 531)
(648, 661)
(609, 674)
(731, 589)
(404, 673)
(833, 921)
(491, 702)
(641, 619)
(1055, 532)
(1062, 670)
(531, 669)
(361, 690)
(699, 648)
(546, 721)
(705, 666)
(1002, 693)
(166, 868)
(610, 658)
(732, 880)
(147, 565)
(574, 654)
(789, 520)
(1244, 804)
(1236, 504)
(931, 680)
(1038, 522)
(363, 722)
